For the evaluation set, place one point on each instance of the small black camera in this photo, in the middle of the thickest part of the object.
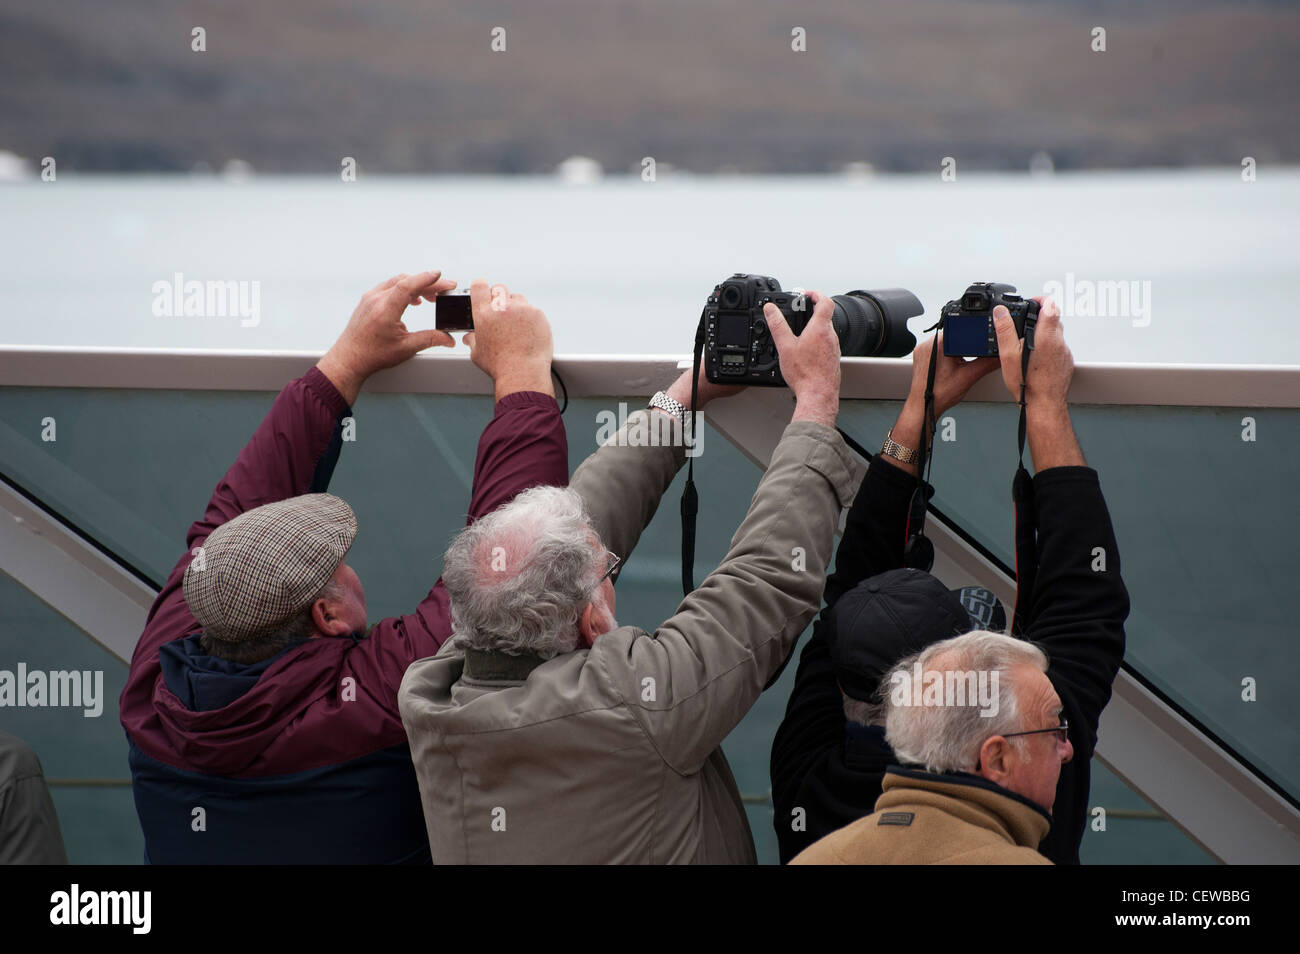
(968, 322)
(738, 347)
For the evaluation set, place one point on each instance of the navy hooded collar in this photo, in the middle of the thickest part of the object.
(204, 682)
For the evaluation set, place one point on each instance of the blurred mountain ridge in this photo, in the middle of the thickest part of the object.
(405, 86)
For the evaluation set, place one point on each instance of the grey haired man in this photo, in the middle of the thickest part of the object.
(544, 732)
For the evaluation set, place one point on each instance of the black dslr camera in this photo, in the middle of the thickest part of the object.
(738, 348)
(968, 322)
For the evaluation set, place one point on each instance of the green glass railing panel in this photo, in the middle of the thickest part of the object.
(1135, 833)
(132, 469)
(83, 756)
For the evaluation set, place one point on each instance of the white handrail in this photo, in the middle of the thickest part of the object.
(1206, 385)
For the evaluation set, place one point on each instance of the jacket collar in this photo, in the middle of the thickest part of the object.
(491, 666)
(203, 682)
(865, 748)
(982, 802)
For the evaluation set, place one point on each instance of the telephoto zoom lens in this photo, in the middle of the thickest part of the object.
(873, 323)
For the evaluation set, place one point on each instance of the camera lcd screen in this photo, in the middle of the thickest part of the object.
(733, 331)
(967, 336)
(453, 313)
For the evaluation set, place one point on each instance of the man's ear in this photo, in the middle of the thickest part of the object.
(587, 629)
(994, 759)
(326, 620)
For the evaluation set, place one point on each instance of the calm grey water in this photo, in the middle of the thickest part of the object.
(623, 266)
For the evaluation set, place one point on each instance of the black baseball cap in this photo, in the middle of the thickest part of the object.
(894, 614)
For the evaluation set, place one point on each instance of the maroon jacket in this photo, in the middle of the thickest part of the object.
(286, 767)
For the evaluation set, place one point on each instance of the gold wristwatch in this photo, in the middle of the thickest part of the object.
(897, 451)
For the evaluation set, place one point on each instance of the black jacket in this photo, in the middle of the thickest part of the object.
(826, 773)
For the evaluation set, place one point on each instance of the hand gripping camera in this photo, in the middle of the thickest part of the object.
(738, 347)
(968, 322)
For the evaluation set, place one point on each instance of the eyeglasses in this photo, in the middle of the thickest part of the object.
(1062, 731)
(614, 561)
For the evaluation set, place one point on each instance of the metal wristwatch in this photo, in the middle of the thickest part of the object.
(897, 451)
(677, 409)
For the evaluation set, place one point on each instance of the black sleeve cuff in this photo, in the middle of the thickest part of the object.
(895, 478)
(1065, 475)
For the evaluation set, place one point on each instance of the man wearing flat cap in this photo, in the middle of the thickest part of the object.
(830, 756)
(260, 709)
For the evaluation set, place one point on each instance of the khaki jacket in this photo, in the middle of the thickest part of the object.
(611, 754)
(924, 819)
(29, 826)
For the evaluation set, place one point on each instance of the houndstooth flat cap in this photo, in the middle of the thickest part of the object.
(259, 570)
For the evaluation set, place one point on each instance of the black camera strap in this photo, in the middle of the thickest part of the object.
(1022, 493)
(691, 499)
(918, 551)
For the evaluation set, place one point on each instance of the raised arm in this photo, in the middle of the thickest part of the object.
(712, 659)
(523, 446)
(623, 481)
(297, 446)
(814, 716)
(875, 530)
(1079, 602)
(872, 543)
(292, 452)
